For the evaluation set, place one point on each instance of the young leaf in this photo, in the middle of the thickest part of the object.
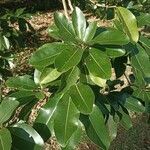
(110, 37)
(130, 23)
(66, 120)
(79, 22)
(25, 137)
(46, 54)
(21, 83)
(90, 32)
(83, 97)
(43, 122)
(69, 58)
(5, 139)
(98, 123)
(48, 75)
(98, 63)
(65, 27)
(7, 107)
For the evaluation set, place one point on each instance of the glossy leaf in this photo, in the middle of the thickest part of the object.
(75, 139)
(24, 96)
(69, 58)
(5, 139)
(98, 63)
(130, 23)
(66, 120)
(65, 27)
(25, 137)
(7, 107)
(125, 121)
(21, 82)
(111, 37)
(54, 32)
(90, 31)
(143, 19)
(139, 59)
(145, 42)
(46, 54)
(48, 75)
(98, 123)
(83, 97)
(79, 22)
(134, 104)
(115, 52)
(112, 127)
(72, 76)
(43, 122)
(97, 80)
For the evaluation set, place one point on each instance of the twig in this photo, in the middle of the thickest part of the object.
(70, 5)
(65, 9)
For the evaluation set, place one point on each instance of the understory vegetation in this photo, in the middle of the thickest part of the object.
(74, 75)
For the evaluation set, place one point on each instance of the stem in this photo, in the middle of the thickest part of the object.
(129, 83)
(65, 9)
(70, 5)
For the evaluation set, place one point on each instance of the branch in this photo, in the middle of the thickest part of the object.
(65, 9)
(70, 5)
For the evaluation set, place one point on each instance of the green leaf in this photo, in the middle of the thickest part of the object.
(7, 107)
(5, 139)
(134, 104)
(83, 97)
(145, 42)
(66, 120)
(71, 77)
(65, 27)
(75, 139)
(125, 121)
(97, 80)
(46, 54)
(140, 60)
(98, 63)
(112, 127)
(79, 22)
(21, 82)
(37, 75)
(43, 122)
(90, 32)
(111, 37)
(53, 32)
(120, 66)
(143, 19)
(25, 137)
(4, 43)
(130, 23)
(69, 58)
(98, 123)
(115, 52)
(48, 75)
